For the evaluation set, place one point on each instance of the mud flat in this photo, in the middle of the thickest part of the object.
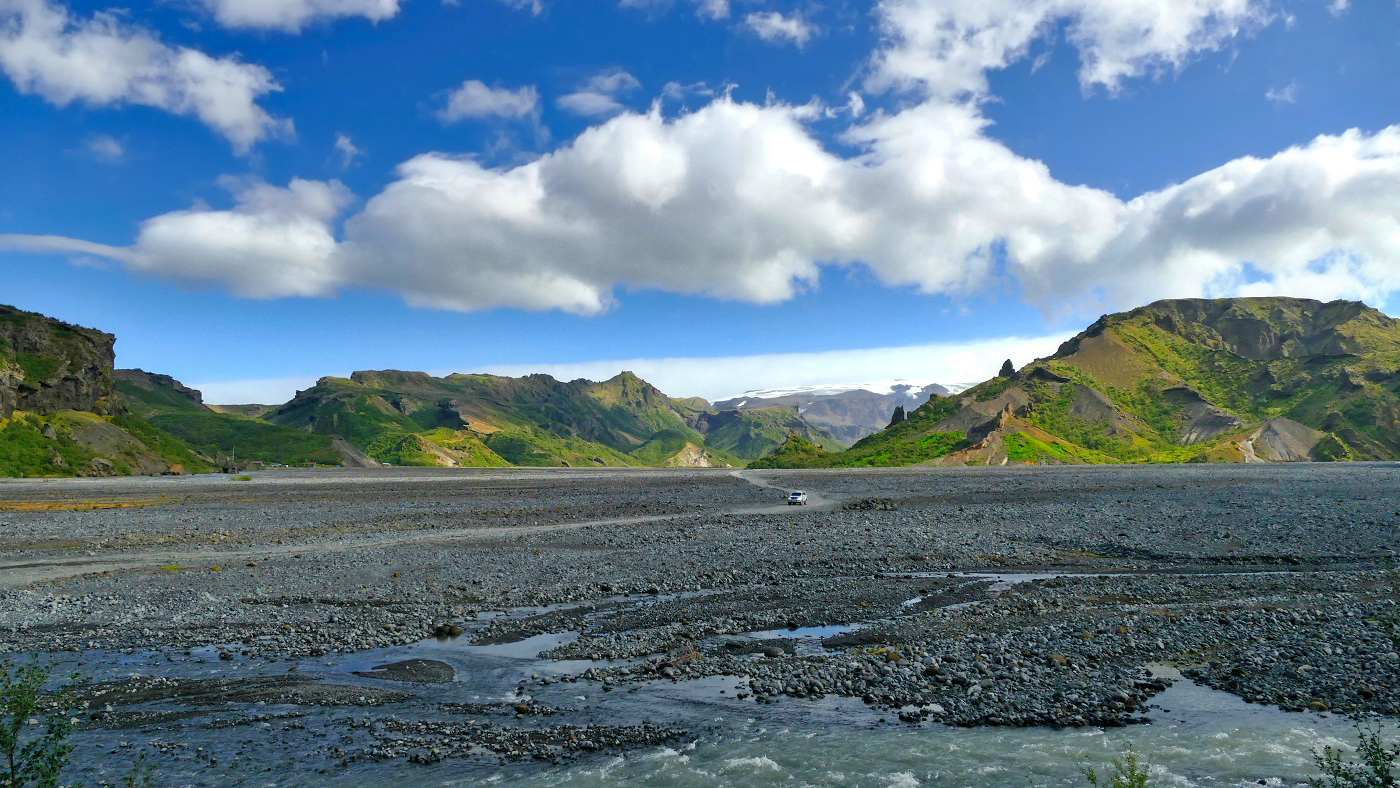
(532, 625)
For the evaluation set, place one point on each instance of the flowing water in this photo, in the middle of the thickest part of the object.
(1198, 736)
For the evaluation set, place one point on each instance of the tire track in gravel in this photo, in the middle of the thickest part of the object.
(15, 574)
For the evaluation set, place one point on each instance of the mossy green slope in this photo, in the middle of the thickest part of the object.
(531, 420)
(485, 420)
(674, 448)
(179, 411)
(754, 432)
(1242, 379)
(59, 415)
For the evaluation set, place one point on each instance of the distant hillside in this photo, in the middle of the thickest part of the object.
(1192, 380)
(848, 415)
(230, 438)
(58, 412)
(754, 432)
(481, 420)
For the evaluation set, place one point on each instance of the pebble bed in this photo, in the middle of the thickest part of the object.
(1274, 583)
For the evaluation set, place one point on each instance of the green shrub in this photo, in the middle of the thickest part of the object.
(1376, 769)
(37, 369)
(32, 757)
(1129, 771)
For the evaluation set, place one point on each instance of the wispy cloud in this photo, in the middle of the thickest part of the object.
(775, 27)
(723, 377)
(598, 96)
(290, 16)
(347, 150)
(1284, 95)
(728, 376)
(474, 99)
(105, 148)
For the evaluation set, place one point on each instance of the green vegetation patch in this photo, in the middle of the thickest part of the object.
(1021, 447)
(24, 451)
(468, 446)
(800, 453)
(398, 448)
(666, 444)
(37, 369)
(251, 439)
(171, 449)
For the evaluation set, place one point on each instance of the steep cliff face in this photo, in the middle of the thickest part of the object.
(47, 366)
(152, 388)
(60, 414)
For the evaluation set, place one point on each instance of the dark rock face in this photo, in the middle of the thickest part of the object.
(898, 415)
(47, 365)
(153, 381)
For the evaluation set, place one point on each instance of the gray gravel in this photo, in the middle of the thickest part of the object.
(1274, 583)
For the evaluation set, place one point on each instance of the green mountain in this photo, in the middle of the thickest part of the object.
(754, 432)
(58, 412)
(1190, 380)
(180, 411)
(413, 418)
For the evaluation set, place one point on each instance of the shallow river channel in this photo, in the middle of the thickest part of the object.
(1197, 737)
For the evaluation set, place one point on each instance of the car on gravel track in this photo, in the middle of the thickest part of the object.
(797, 498)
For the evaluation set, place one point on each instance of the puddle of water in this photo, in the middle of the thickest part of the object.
(529, 648)
(802, 632)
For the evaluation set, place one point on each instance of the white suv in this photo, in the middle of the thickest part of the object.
(797, 498)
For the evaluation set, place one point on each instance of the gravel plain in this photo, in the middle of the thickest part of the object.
(395, 615)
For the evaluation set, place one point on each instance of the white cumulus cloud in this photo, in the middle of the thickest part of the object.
(274, 241)
(773, 26)
(474, 99)
(598, 96)
(741, 201)
(101, 61)
(292, 15)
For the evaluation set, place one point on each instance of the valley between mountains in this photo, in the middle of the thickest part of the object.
(1193, 380)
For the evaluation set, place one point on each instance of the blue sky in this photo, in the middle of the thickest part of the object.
(720, 195)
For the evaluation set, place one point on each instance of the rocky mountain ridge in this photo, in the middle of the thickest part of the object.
(848, 415)
(476, 419)
(1188, 380)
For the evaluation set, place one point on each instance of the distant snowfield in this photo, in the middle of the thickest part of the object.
(828, 389)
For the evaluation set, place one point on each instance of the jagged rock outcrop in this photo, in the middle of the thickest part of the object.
(897, 416)
(47, 365)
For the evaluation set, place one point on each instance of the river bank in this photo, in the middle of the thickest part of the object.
(647, 603)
